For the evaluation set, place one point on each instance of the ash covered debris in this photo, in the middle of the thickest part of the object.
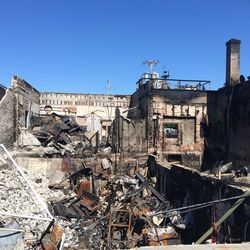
(94, 209)
(60, 133)
(25, 213)
(110, 211)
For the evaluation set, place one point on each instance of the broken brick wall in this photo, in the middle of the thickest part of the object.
(47, 166)
(133, 138)
(27, 102)
(139, 103)
(228, 129)
(184, 186)
(128, 136)
(7, 119)
(185, 109)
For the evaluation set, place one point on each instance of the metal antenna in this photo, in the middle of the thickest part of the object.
(165, 74)
(109, 87)
(151, 64)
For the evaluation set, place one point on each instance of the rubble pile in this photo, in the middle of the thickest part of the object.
(94, 209)
(16, 199)
(60, 135)
(113, 211)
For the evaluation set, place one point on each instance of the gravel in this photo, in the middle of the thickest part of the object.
(16, 198)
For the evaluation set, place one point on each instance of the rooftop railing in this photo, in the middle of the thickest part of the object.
(168, 83)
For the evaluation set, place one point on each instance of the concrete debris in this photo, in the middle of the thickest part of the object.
(117, 217)
(106, 150)
(27, 139)
(92, 207)
(15, 200)
(94, 212)
(58, 135)
(61, 133)
(57, 179)
(106, 164)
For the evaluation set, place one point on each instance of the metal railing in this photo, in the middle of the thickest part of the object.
(168, 83)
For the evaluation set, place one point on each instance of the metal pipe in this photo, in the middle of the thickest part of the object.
(24, 216)
(205, 204)
(223, 218)
(9, 235)
(11, 229)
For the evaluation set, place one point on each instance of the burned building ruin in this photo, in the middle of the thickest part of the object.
(165, 166)
(165, 116)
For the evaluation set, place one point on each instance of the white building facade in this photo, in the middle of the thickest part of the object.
(95, 111)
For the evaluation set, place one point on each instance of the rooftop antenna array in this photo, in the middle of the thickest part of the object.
(151, 64)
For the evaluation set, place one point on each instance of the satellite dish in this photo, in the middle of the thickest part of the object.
(242, 79)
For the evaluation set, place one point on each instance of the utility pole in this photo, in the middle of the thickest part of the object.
(151, 64)
(109, 108)
(109, 87)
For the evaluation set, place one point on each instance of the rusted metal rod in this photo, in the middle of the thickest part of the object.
(223, 218)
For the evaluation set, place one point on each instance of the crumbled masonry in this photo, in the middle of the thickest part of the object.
(121, 200)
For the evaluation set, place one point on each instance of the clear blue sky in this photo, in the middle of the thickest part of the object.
(77, 45)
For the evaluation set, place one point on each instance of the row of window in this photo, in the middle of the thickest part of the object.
(84, 103)
(95, 97)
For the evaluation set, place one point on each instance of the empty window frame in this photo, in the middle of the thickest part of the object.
(171, 130)
(174, 158)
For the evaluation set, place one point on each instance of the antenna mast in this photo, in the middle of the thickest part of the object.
(151, 64)
(109, 87)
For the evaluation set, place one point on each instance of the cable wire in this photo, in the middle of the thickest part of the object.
(197, 206)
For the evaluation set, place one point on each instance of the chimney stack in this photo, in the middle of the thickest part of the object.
(233, 62)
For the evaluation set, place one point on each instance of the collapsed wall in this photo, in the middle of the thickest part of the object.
(27, 102)
(19, 106)
(128, 135)
(184, 186)
(8, 119)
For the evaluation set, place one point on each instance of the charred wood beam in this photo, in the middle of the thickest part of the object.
(151, 188)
